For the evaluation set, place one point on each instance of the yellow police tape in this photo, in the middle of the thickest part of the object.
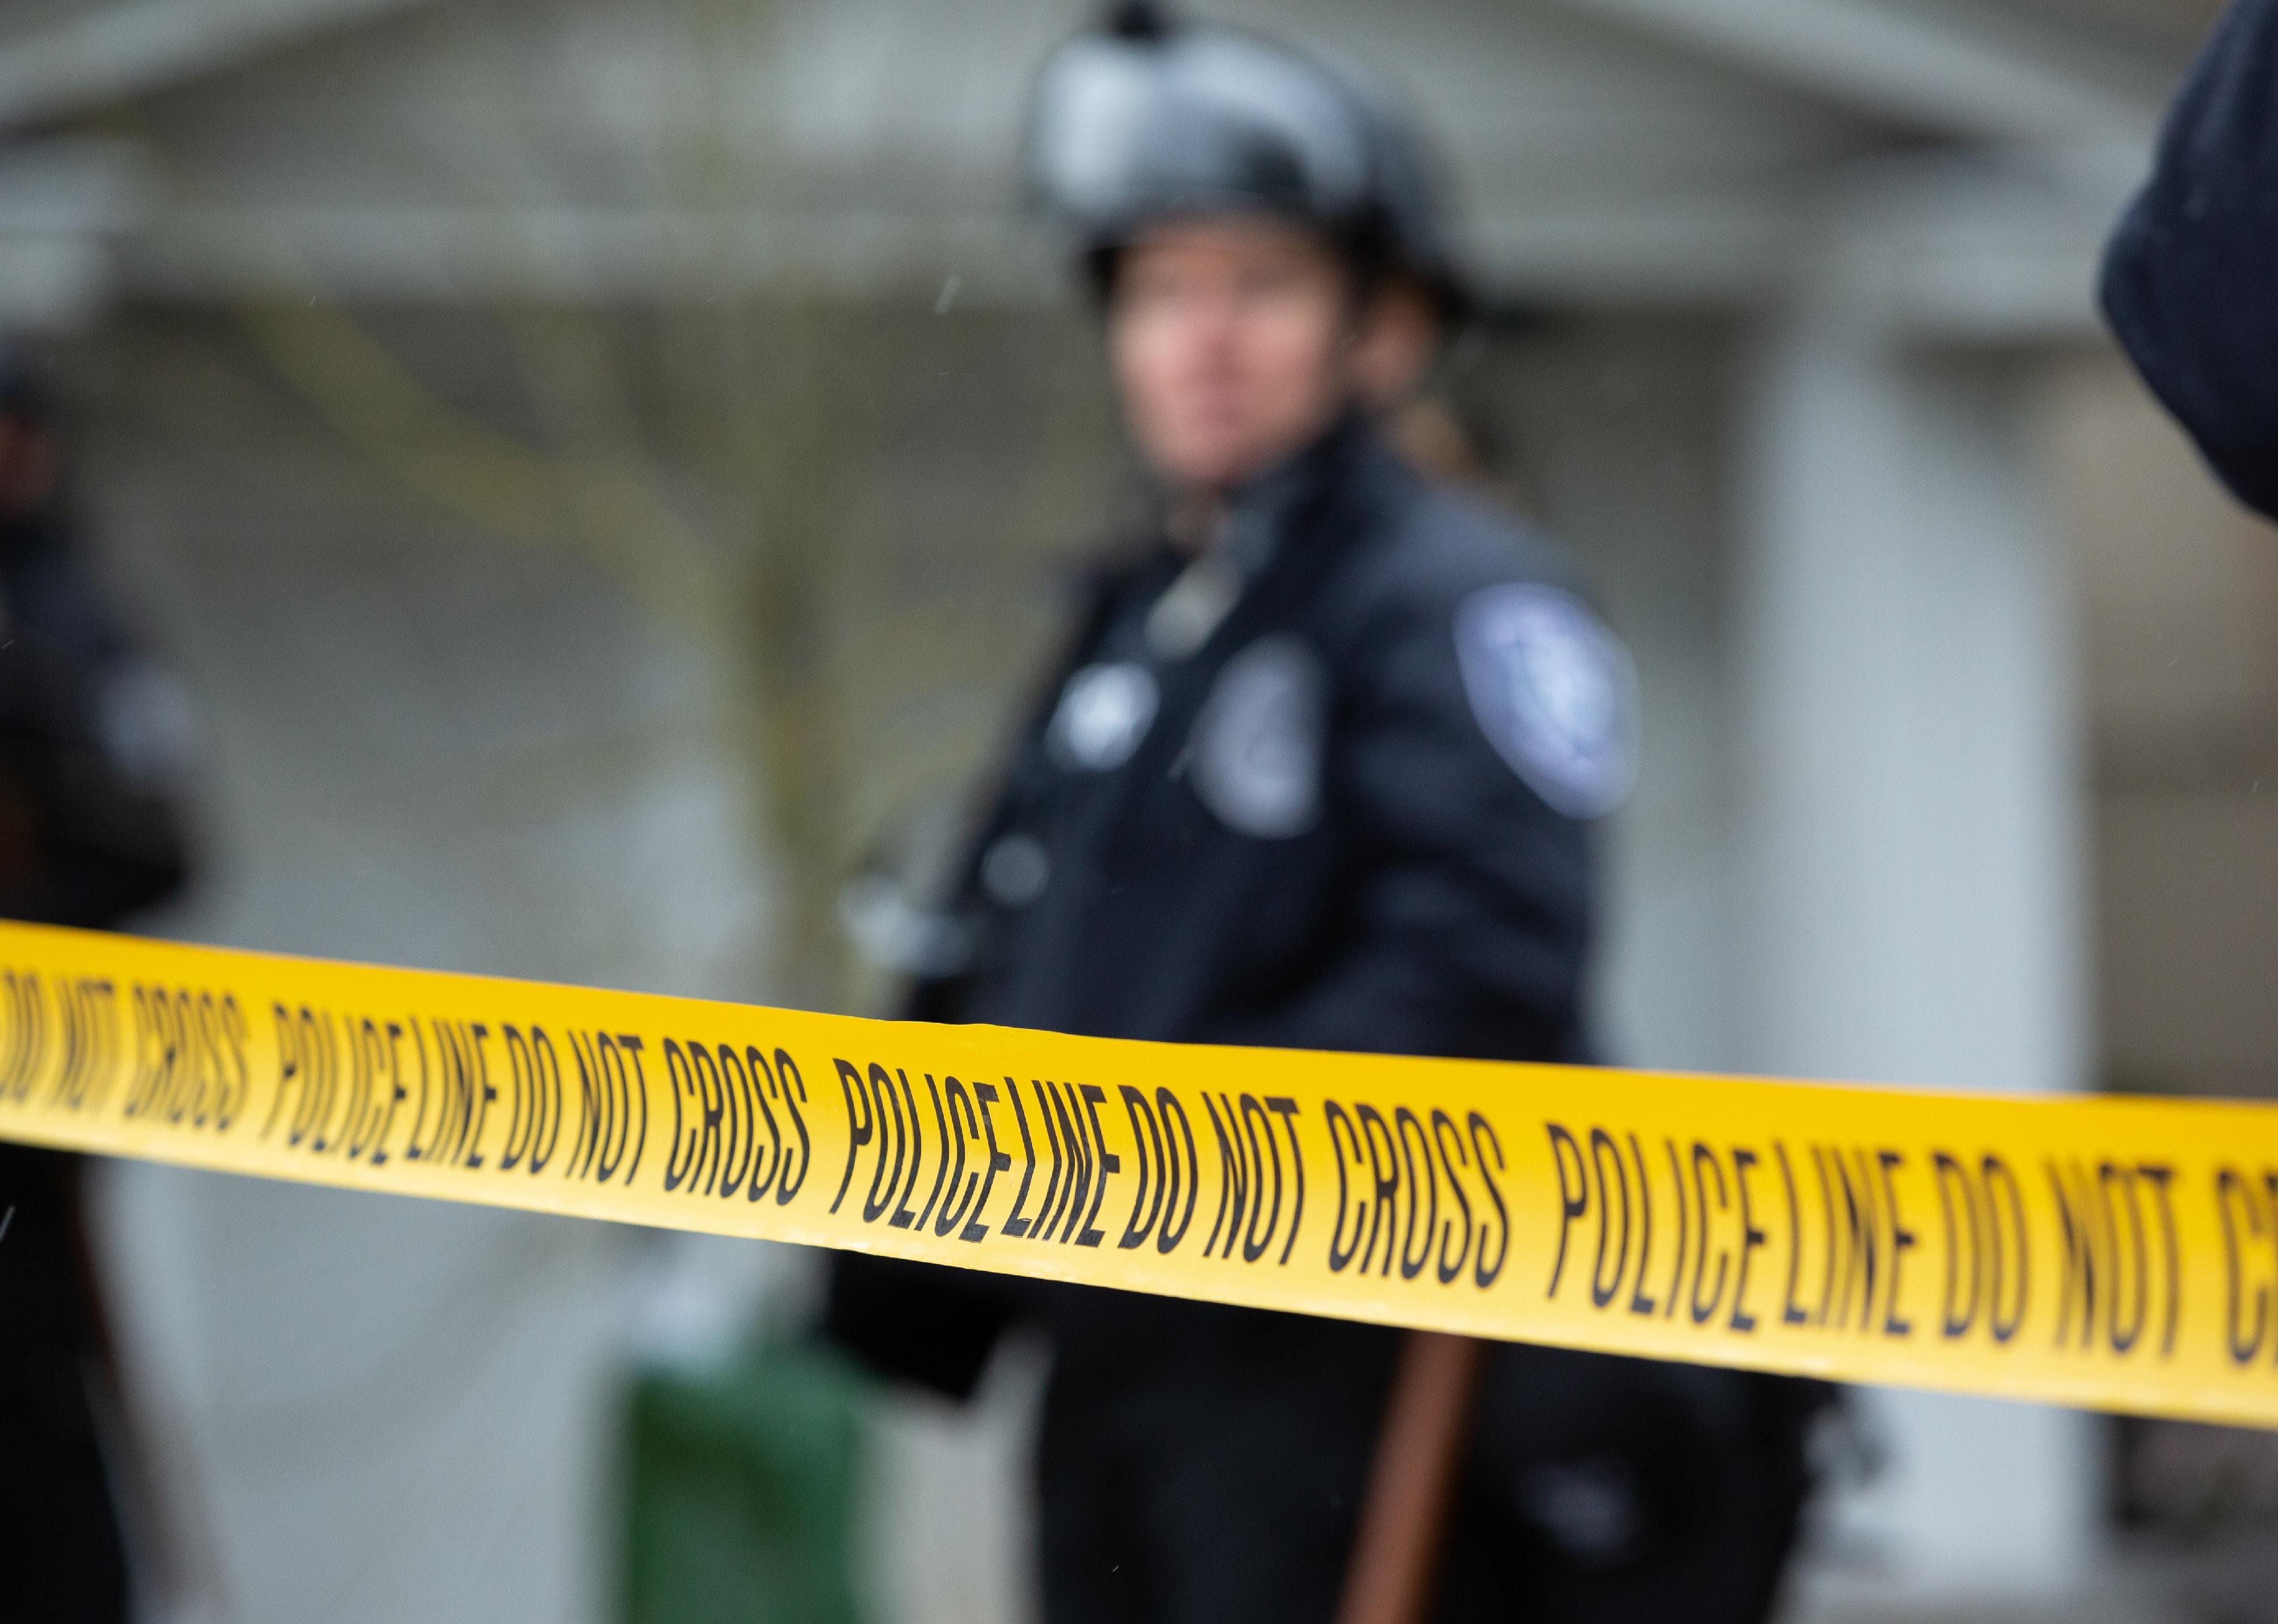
(2115, 1253)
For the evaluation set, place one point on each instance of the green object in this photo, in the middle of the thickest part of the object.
(740, 1491)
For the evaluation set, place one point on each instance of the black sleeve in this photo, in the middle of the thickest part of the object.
(917, 1322)
(943, 996)
(1467, 928)
(2191, 277)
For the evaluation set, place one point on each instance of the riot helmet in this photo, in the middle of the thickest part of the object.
(1147, 119)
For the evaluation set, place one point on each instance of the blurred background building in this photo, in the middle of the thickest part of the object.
(603, 467)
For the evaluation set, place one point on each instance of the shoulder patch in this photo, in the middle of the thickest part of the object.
(1554, 690)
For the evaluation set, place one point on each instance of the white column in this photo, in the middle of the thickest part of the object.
(1910, 814)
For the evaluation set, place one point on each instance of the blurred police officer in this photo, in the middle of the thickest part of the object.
(2190, 279)
(1318, 770)
(91, 750)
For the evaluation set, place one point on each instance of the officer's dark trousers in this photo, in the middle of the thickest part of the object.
(1202, 1465)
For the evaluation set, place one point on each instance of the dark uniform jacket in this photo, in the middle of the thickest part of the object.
(1312, 842)
(1329, 789)
(2191, 278)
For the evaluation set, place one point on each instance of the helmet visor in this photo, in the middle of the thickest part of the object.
(1123, 131)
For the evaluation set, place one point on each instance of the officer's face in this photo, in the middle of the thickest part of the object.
(1232, 346)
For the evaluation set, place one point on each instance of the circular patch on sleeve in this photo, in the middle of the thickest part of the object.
(1554, 692)
(1257, 742)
